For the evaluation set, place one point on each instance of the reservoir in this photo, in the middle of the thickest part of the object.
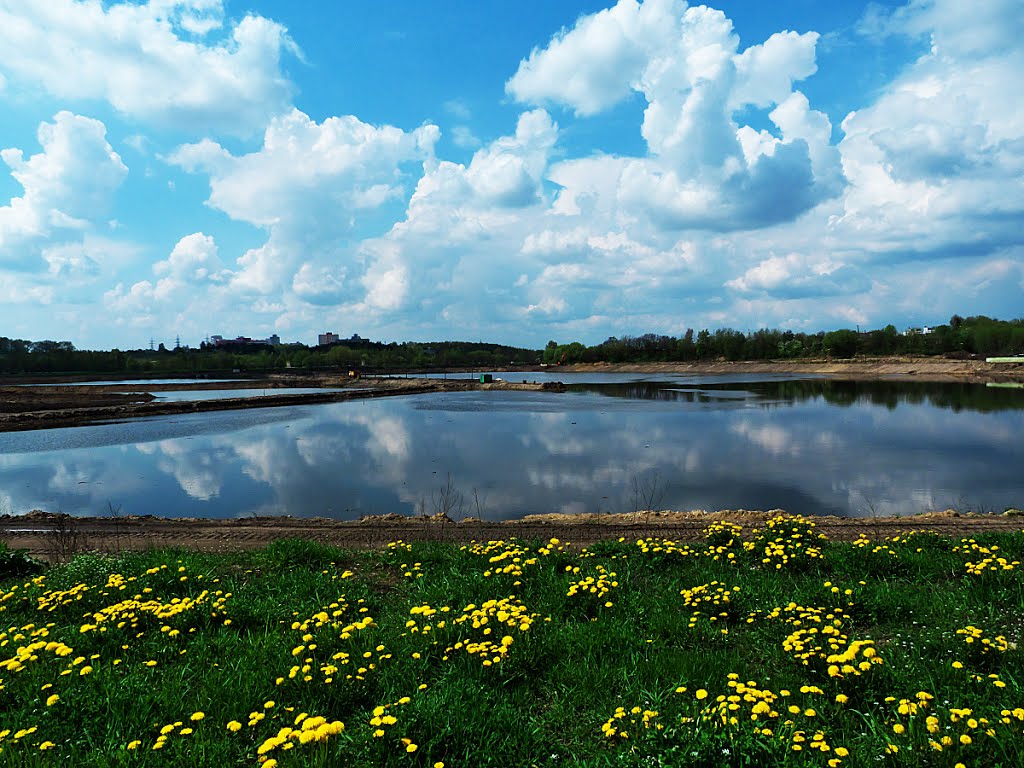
(612, 443)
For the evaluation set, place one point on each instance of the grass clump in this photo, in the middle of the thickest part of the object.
(17, 563)
(755, 647)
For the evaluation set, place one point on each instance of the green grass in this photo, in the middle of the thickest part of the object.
(480, 656)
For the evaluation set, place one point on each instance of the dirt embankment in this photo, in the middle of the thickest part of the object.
(916, 368)
(47, 407)
(57, 537)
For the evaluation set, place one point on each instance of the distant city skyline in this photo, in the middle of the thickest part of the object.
(512, 172)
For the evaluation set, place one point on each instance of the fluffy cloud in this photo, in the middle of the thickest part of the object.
(308, 173)
(482, 244)
(936, 162)
(181, 279)
(508, 173)
(797, 275)
(592, 67)
(154, 62)
(456, 250)
(935, 199)
(703, 171)
(193, 259)
(314, 188)
(67, 187)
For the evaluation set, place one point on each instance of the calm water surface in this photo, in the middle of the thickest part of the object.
(813, 446)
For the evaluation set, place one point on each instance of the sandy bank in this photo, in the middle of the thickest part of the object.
(56, 536)
(916, 368)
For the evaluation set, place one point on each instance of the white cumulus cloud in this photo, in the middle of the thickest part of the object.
(157, 61)
(703, 170)
(67, 187)
(310, 186)
(936, 163)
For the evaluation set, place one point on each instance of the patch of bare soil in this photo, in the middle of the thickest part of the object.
(56, 537)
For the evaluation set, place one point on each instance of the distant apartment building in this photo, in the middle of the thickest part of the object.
(219, 341)
(328, 338)
(925, 331)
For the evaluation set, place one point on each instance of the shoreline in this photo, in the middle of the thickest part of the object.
(930, 369)
(56, 536)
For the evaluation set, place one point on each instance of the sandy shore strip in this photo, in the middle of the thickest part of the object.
(937, 369)
(55, 537)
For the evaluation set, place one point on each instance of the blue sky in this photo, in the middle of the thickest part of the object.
(511, 172)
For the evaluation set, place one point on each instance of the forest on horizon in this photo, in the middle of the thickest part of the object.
(976, 335)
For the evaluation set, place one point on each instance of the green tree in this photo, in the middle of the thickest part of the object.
(842, 343)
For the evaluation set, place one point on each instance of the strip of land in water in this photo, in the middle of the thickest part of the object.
(53, 406)
(56, 537)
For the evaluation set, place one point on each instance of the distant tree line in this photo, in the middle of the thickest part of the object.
(961, 336)
(967, 336)
(18, 356)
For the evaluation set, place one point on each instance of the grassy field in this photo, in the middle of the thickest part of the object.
(754, 647)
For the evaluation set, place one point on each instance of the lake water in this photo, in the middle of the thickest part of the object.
(813, 446)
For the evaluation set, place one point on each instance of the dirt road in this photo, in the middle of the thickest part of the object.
(55, 537)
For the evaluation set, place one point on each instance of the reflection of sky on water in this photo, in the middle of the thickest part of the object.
(810, 447)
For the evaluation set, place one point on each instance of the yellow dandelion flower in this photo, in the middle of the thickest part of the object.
(197, 716)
